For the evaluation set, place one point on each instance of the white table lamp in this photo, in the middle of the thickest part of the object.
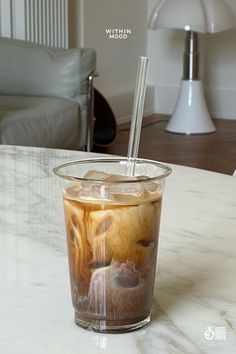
(191, 115)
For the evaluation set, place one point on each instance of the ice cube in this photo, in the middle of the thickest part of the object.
(114, 178)
(93, 191)
(152, 189)
(127, 298)
(95, 175)
(72, 191)
(126, 275)
(124, 192)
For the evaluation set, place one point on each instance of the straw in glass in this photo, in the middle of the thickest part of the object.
(137, 114)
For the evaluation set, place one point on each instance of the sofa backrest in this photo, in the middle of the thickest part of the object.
(30, 70)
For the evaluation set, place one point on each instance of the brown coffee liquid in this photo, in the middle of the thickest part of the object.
(112, 256)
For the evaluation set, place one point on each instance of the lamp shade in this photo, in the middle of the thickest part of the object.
(204, 16)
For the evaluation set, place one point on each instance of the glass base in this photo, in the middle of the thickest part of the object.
(104, 326)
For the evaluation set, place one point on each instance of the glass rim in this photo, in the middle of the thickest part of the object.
(57, 169)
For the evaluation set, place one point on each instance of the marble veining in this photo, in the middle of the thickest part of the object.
(196, 278)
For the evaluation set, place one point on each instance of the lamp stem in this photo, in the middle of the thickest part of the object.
(191, 57)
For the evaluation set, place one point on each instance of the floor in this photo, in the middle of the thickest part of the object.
(215, 151)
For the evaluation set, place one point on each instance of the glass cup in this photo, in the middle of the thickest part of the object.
(112, 225)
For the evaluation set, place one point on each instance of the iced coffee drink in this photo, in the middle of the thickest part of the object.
(112, 224)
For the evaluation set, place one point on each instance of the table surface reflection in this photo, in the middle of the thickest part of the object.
(194, 308)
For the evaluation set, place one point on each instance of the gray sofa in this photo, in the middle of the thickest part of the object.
(45, 95)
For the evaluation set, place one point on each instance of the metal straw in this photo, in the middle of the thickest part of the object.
(137, 114)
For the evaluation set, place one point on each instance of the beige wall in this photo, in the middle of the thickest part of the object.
(75, 23)
(117, 58)
(72, 23)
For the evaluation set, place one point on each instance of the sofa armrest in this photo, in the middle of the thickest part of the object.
(33, 70)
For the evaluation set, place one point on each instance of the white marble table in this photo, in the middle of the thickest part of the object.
(196, 279)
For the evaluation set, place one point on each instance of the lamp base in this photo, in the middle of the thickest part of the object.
(191, 115)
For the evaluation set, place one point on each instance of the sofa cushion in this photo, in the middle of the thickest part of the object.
(33, 70)
(39, 121)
